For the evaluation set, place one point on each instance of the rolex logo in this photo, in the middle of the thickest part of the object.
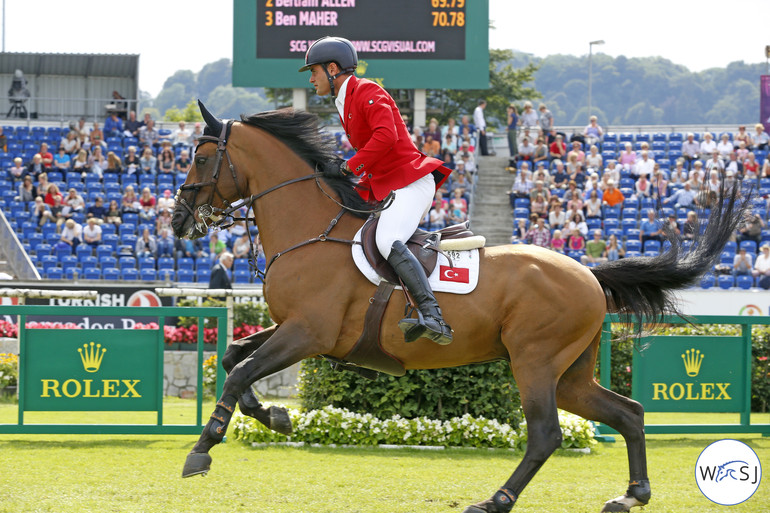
(692, 359)
(361, 68)
(91, 356)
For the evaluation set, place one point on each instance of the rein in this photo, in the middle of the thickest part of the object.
(223, 217)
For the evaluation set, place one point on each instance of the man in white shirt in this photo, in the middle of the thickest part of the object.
(181, 135)
(481, 126)
(762, 264)
(645, 166)
(707, 146)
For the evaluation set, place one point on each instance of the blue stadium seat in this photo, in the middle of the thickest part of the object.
(186, 263)
(111, 274)
(242, 276)
(727, 257)
(109, 229)
(749, 245)
(725, 281)
(129, 274)
(127, 262)
(109, 241)
(166, 263)
(744, 281)
(54, 273)
(147, 263)
(203, 275)
(707, 281)
(148, 275)
(83, 250)
(633, 245)
(108, 262)
(185, 276)
(92, 273)
(659, 137)
(651, 245)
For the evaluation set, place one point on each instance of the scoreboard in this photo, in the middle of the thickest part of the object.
(410, 44)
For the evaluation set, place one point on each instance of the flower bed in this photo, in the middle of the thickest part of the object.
(331, 425)
(9, 370)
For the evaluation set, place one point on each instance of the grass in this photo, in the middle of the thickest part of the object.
(70, 473)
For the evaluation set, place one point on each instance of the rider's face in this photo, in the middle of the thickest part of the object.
(319, 80)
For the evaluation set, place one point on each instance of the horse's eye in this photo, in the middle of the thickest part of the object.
(200, 161)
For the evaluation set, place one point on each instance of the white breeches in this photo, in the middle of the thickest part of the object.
(400, 220)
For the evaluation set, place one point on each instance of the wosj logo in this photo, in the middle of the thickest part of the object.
(728, 472)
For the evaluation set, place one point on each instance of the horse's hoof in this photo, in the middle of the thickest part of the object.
(196, 463)
(280, 422)
(474, 509)
(622, 503)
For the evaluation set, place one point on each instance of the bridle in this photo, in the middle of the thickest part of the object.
(223, 217)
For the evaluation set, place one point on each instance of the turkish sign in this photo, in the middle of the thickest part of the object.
(91, 370)
(690, 373)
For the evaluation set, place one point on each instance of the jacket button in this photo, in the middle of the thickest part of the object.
(369, 175)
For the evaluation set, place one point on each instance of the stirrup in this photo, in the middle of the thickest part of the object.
(417, 328)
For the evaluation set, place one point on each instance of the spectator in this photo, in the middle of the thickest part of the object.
(714, 163)
(97, 211)
(576, 241)
(557, 218)
(148, 162)
(526, 152)
(596, 250)
(52, 193)
(627, 158)
(762, 263)
(181, 136)
(132, 125)
(147, 206)
(643, 188)
(714, 184)
(651, 228)
(431, 147)
(467, 140)
(659, 184)
(683, 198)
(679, 174)
(18, 170)
(186, 248)
(163, 221)
(557, 149)
(114, 165)
(220, 273)
(71, 235)
(560, 177)
(538, 234)
(98, 162)
(761, 139)
(216, 246)
(62, 161)
(577, 150)
(707, 145)
(540, 154)
(611, 172)
(522, 185)
(751, 167)
(130, 203)
(528, 118)
(80, 164)
(558, 242)
(743, 137)
(591, 184)
(577, 223)
(92, 233)
(242, 246)
(690, 226)
(512, 120)
(97, 136)
(438, 217)
(449, 145)
(450, 128)
(113, 125)
(574, 201)
(545, 119)
(542, 176)
(742, 263)
(481, 126)
(593, 132)
(593, 161)
(165, 243)
(148, 135)
(750, 227)
(27, 191)
(132, 161)
(644, 166)
(614, 250)
(672, 227)
(458, 202)
(113, 215)
(41, 212)
(593, 205)
(46, 156)
(166, 202)
(539, 188)
(74, 201)
(612, 196)
(146, 245)
(70, 143)
(42, 184)
(36, 167)
(725, 147)
(166, 159)
(519, 231)
(468, 162)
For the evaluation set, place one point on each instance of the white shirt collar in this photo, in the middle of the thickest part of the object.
(339, 101)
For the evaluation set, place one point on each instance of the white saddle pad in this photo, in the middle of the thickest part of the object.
(461, 277)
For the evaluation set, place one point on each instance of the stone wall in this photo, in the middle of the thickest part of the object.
(180, 376)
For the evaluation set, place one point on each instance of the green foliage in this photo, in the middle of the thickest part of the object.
(190, 113)
(210, 376)
(174, 96)
(213, 75)
(483, 390)
(9, 370)
(253, 314)
(507, 84)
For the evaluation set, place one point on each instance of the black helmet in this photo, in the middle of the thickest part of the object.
(332, 49)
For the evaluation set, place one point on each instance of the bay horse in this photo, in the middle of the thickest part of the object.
(538, 309)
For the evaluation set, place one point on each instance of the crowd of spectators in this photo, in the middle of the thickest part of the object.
(599, 197)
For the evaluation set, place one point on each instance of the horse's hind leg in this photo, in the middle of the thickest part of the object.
(538, 400)
(274, 417)
(578, 393)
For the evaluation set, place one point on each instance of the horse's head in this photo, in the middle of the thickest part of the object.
(211, 184)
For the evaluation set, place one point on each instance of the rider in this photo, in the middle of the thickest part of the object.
(386, 160)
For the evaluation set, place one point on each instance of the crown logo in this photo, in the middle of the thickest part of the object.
(361, 68)
(692, 359)
(91, 356)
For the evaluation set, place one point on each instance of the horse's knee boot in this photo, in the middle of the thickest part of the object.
(504, 500)
(640, 490)
(220, 419)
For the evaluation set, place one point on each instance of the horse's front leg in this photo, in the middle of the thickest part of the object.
(274, 417)
(289, 344)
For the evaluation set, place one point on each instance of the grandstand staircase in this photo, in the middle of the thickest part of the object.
(490, 208)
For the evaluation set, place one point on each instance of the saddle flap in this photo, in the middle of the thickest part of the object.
(424, 245)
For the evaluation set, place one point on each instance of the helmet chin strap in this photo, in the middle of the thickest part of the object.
(332, 78)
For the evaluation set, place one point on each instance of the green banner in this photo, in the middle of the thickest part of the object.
(690, 374)
(91, 370)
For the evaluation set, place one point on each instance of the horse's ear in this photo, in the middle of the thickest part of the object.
(212, 122)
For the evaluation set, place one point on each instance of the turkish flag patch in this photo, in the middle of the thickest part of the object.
(458, 274)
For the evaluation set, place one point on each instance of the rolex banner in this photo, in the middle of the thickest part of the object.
(91, 370)
(690, 374)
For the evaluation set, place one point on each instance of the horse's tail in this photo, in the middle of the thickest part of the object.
(645, 287)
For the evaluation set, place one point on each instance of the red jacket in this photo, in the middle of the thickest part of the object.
(386, 159)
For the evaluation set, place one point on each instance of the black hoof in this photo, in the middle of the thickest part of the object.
(280, 422)
(474, 509)
(614, 506)
(196, 463)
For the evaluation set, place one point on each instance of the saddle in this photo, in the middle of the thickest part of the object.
(423, 244)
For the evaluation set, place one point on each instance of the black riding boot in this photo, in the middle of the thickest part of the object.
(429, 323)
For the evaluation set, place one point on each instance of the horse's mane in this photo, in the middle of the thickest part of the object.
(300, 131)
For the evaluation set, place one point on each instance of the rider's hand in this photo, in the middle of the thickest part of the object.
(336, 168)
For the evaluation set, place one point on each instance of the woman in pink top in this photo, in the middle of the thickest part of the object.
(627, 157)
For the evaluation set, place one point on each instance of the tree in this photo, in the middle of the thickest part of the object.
(173, 96)
(213, 75)
(191, 113)
(506, 85)
(184, 77)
